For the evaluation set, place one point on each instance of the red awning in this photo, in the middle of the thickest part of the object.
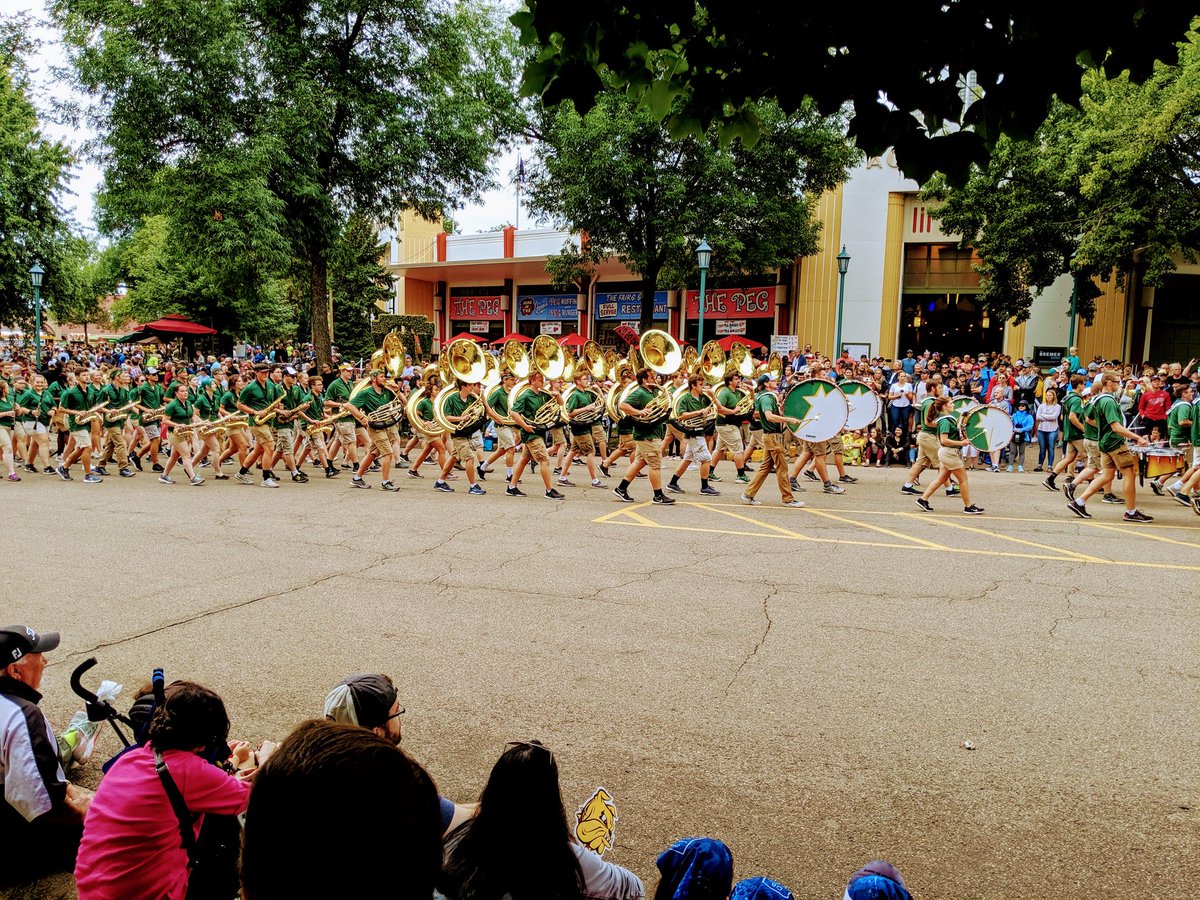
(463, 336)
(572, 340)
(175, 324)
(513, 336)
(726, 343)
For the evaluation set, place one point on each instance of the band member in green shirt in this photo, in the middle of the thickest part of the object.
(181, 414)
(424, 411)
(582, 442)
(258, 395)
(368, 400)
(506, 439)
(772, 420)
(461, 450)
(284, 432)
(523, 411)
(149, 397)
(624, 431)
(8, 418)
(647, 440)
(208, 409)
(117, 395)
(74, 400)
(314, 414)
(692, 407)
(950, 460)
(1179, 436)
(239, 435)
(35, 404)
(1115, 454)
(729, 426)
(1073, 428)
(1189, 493)
(348, 437)
(1091, 448)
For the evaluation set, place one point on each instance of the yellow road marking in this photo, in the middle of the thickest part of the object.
(642, 519)
(887, 531)
(725, 512)
(766, 534)
(1006, 537)
(1140, 532)
(620, 511)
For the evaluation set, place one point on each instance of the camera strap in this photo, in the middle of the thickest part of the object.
(188, 836)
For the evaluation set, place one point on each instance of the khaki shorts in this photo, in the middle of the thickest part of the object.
(242, 431)
(536, 448)
(583, 445)
(83, 438)
(951, 458)
(18, 429)
(598, 435)
(262, 435)
(1123, 458)
(504, 437)
(345, 431)
(29, 429)
(180, 440)
(1196, 455)
(625, 442)
(928, 447)
(649, 452)
(1093, 453)
(1080, 449)
(834, 445)
(464, 450)
(381, 441)
(729, 439)
(284, 438)
(558, 435)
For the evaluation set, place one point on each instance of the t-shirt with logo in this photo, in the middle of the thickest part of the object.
(730, 398)
(687, 404)
(925, 426)
(1108, 413)
(1071, 403)
(455, 405)
(1177, 432)
(638, 398)
(764, 403)
(577, 400)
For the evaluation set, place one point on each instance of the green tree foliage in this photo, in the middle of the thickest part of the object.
(256, 127)
(1110, 187)
(698, 63)
(34, 172)
(646, 197)
(359, 283)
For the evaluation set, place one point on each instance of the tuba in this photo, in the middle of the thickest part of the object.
(588, 414)
(657, 410)
(593, 359)
(697, 420)
(475, 412)
(741, 360)
(690, 357)
(514, 359)
(503, 420)
(547, 357)
(712, 363)
(660, 352)
(774, 365)
(464, 362)
(428, 428)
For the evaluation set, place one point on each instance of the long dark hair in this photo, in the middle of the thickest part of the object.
(518, 842)
(191, 716)
(935, 409)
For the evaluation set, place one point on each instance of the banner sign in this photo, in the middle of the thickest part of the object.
(784, 343)
(479, 326)
(727, 327)
(728, 303)
(476, 308)
(540, 307)
(1048, 357)
(551, 327)
(628, 305)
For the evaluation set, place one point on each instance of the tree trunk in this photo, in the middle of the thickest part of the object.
(646, 320)
(322, 311)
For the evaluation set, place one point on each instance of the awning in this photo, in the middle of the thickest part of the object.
(572, 340)
(461, 336)
(132, 338)
(175, 324)
(726, 343)
(513, 336)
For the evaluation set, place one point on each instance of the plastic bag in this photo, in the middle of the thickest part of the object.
(76, 743)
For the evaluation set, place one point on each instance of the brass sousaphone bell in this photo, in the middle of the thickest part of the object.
(467, 364)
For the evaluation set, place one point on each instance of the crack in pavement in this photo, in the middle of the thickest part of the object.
(766, 611)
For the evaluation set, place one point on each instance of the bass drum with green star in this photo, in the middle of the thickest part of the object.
(865, 405)
(821, 408)
(963, 403)
(987, 428)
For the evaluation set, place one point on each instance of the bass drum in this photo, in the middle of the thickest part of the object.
(821, 408)
(987, 428)
(865, 405)
(962, 403)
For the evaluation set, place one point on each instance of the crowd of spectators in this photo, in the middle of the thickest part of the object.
(338, 808)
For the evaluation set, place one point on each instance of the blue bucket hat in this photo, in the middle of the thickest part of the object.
(877, 880)
(696, 869)
(760, 888)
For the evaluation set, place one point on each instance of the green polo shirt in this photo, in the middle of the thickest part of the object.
(529, 403)
(116, 397)
(727, 396)
(456, 405)
(498, 400)
(258, 396)
(1088, 414)
(229, 403)
(369, 400)
(925, 427)
(1196, 422)
(1071, 403)
(208, 407)
(75, 400)
(316, 405)
(638, 398)
(339, 392)
(31, 399)
(578, 400)
(1107, 412)
(687, 404)
(179, 413)
(150, 396)
(6, 407)
(764, 403)
(1177, 431)
(425, 408)
(948, 425)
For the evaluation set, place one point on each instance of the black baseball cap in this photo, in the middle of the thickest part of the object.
(17, 641)
(364, 700)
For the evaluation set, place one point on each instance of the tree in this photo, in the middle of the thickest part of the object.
(359, 284)
(1107, 188)
(258, 126)
(698, 63)
(33, 175)
(618, 175)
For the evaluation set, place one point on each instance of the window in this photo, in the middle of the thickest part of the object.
(939, 267)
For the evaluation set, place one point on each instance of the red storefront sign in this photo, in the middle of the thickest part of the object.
(733, 303)
(476, 308)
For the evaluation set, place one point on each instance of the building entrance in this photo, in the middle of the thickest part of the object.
(954, 324)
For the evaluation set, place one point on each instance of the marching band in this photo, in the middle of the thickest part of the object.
(545, 408)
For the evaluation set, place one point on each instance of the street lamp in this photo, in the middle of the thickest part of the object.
(35, 276)
(703, 258)
(843, 261)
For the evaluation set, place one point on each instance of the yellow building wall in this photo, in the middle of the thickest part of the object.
(1014, 340)
(893, 264)
(420, 237)
(814, 304)
(1106, 335)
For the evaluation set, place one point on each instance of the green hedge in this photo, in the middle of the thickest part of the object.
(416, 327)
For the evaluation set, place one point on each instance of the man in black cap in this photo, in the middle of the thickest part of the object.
(371, 702)
(41, 818)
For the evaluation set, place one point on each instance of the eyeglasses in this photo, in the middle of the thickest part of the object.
(395, 715)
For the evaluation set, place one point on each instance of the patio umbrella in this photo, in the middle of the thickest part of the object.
(572, 340)
(175, 324)
(726, 343)
(513, 336)
(463, 336)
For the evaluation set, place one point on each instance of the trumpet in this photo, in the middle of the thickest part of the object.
(112, 415)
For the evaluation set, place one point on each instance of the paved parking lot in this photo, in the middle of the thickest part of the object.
(801, 683)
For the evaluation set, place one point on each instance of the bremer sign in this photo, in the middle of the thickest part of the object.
(733, 303)
(476, 308)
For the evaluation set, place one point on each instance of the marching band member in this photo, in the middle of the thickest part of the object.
(181, 414)
(238, 435)
(1073, 428)
(582, 442)
(95, 396)
(950, 459)
(1179, 436)
(368, 400)
(624, 427)
(116, 395)
(556, 437)
(1115, 455)
(149, 397)
(8, 418)
(673, 437)
(259, 394)
(506, 442)
(522, 412)
(692, 407)
(927, 443)
(285, 429)
(729, 427)
(1091, 446)
(208, 409)
(337, 395)
(36, 405)
(771, 420)
(424, 409)
(462, 449)
(1188, 493)
(647, 441)
(314, 415)
(74, 400)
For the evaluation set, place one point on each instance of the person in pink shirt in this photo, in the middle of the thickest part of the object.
(131, 843)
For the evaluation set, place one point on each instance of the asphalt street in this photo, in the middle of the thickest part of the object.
(1002, 706)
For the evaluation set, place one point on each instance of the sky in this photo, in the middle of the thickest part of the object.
(496, 207)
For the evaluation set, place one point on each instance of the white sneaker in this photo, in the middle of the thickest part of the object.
(270, 483)
(795, 504)
(751, 501)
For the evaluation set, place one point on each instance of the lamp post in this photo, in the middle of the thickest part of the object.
(35, 276)
(843, 261)
(703, 258)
